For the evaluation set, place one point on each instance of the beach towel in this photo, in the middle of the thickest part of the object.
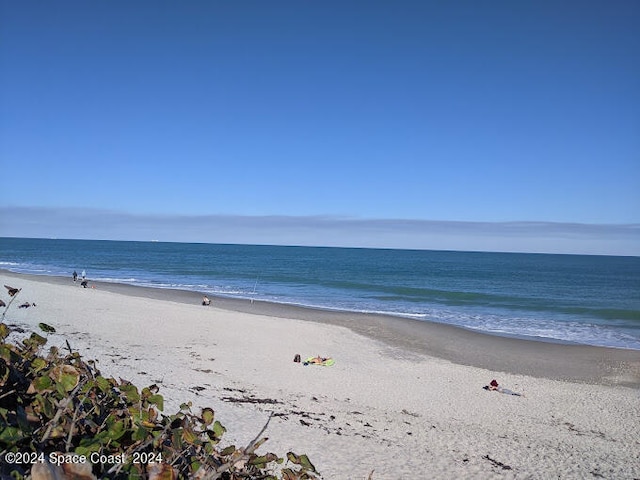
(326, 363)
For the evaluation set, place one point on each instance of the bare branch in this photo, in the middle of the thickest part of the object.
(10, 302)
(252, 443)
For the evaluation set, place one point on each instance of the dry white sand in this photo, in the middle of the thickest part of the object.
(396, 411)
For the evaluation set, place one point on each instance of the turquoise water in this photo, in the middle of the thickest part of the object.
(574, 298)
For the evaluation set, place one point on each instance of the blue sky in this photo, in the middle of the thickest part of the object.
(185, 115)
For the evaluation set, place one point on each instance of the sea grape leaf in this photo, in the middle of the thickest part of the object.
(38, 364)
(88, 446)
(306, 463)
(228, 451)
(208, 448)
(177, 438)
(207, 416)
(10, 435)
(139, 415)
(263, 459)
(69, 382)
(188, 436)
(288, 474)
(67, 376)
(41, 384)
(117, 430)
(157, 400)
(46, 407)
(5, 353)
(218, 429)
(145, 393)
(301, 460)
(4, 331)
(34, 341)
(195, 466)
(103, 384)
(46, 328)
(131, 392)
(141, 433)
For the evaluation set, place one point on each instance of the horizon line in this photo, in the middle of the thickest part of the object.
(514, 252)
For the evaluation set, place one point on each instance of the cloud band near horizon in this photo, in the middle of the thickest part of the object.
(331, 231)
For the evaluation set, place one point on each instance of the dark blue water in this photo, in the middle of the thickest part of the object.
(577, 298)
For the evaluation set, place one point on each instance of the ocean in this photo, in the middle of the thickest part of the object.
(593, 300)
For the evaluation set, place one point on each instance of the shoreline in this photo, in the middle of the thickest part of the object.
(519, 356)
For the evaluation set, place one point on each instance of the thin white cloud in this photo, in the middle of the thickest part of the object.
(549, 237)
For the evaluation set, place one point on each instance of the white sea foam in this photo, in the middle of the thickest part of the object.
(558, 331)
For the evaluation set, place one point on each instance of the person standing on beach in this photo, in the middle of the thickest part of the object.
(84, 274)
(75, 276)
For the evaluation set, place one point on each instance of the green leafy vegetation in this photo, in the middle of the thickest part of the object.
(60, 418)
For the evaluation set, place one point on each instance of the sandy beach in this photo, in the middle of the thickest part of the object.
(404, 398)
